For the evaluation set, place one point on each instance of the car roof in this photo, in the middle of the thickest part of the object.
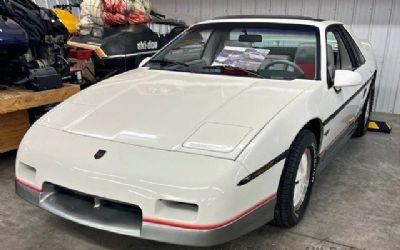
(285, 19)
(269, 17)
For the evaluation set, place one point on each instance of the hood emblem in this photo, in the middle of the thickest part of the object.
(100, 154)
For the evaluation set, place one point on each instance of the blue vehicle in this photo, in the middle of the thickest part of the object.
(14, 41)
(33, 46)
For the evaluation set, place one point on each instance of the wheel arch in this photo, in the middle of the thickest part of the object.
(316, 127)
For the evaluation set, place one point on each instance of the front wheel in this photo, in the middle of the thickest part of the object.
(296, 180)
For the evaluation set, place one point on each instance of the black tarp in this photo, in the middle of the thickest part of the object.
(37, 22)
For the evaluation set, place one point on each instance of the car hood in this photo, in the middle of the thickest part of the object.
(196, 113)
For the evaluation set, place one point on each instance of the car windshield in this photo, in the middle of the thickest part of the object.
(262, 50)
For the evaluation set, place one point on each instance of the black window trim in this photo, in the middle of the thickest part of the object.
(349, 43)
(355, 48)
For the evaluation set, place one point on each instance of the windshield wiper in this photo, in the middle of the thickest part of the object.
(228, 67)
(165, 62)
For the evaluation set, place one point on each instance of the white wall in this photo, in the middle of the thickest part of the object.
(50, 3)
(375, 20)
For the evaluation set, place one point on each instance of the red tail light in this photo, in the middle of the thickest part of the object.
(80, 54)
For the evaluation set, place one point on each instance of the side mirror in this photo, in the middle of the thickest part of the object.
(347, 78)
(144, 61)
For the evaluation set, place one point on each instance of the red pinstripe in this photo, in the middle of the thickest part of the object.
(28, 185)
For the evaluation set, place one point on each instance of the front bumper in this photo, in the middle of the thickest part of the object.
(127, 219)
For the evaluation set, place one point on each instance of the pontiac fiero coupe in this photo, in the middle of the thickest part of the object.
(220, 132)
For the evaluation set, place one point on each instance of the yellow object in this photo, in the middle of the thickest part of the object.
(68, 19)
(373, 125)
(379, 126)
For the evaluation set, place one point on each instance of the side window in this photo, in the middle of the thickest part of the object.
(338, 55)
(356, 50)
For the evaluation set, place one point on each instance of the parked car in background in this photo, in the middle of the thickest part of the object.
(200, 145)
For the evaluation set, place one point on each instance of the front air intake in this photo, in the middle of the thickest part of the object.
(176, 210)
(92, 211)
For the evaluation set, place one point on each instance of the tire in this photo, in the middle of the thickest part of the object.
(362, 121)
(289, 212)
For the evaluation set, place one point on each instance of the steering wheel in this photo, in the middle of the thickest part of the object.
(288, 64)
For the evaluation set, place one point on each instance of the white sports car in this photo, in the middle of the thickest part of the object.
(192, 151)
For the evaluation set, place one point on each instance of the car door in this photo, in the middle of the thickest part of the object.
(341, 106)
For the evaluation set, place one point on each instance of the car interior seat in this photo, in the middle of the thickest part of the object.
(305, 59)
(330, 56)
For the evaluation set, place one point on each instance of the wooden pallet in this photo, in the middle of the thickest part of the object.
(14, 105)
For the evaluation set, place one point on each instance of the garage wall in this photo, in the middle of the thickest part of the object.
(375, 20)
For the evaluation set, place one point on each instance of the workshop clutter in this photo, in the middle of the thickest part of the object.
(91, 16)
(34, 45)
(116, 35)
(113, 12)
(126, 11)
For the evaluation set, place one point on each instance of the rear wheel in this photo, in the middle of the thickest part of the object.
(296, 180)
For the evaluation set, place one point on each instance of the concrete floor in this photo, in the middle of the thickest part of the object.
(355, 205)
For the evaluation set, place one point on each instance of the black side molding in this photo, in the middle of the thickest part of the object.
(263, 169)
(331, 117)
